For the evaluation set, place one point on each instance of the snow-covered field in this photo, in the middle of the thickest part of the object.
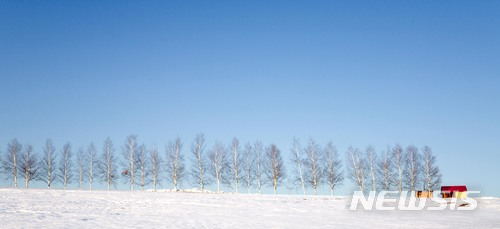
(21, 208)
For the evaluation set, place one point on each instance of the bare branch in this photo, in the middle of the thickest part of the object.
(218, 157)
(356, 169)
(28, 164)
(236, 163)
(275, 168)
(385, 170)
(175, 162)
(249, 165)
(371, 157)
(297, 158)
(130, 154)
(312, 167)
(10, 164)
(259, 162)
(199, 162)
(412, 167)
(82, 167)
(107, 168)
(143, 164)
(398, 161)
(66, 166)
(432, 176)
(156, 166)
(48, 162)
(92, 163)
(333, 167)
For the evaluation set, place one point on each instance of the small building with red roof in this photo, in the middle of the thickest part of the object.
(456, 191)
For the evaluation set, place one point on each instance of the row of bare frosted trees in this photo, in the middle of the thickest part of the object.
(315, 165)
(234, 165)
(396, 168)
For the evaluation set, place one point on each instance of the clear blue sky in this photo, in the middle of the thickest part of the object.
(354, 72)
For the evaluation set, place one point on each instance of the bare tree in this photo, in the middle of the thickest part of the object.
(82, 167)
(48, 162)
(218, 157)
(10, 164)
(175, 162)
(155, 162)
(28, 164)
(385, 170)
(398, 161)
(66, 166)
(236, 165)
(432, 175)
(297, 158)
(248, 165)
(356, 169)
(371, 159)
(413, 167)
(312, 166)
(334, 176)
(107, 168)
(143, 161)
(91, 163)
(130, 154)
(259, 163)
(200, 161)
(275, 168)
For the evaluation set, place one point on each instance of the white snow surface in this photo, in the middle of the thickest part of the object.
(20, 208)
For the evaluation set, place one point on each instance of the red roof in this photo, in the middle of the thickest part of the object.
(459, 188)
